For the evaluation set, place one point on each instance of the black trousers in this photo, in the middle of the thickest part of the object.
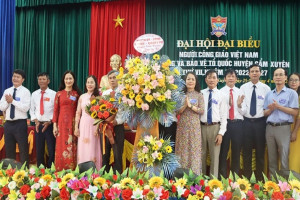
(117, 149)
(16, 132)
(254, 138)
(166, 132)
(234, 134)
(40, 145)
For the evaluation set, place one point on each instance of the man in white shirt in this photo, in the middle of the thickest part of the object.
(213, 122)
(118, 146)
(41, 112)
(234, 130)
(16, 103)
(251, 104)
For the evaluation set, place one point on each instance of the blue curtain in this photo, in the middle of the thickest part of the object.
(7, 16)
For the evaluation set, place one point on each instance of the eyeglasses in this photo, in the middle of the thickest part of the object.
(294, 80)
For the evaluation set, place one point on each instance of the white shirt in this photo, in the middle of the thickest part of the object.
(118, 115)
(21, 103)
(235, 92)
(48, 99)
(261, 91)
(219, 108)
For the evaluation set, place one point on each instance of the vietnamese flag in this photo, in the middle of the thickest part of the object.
(107, 38)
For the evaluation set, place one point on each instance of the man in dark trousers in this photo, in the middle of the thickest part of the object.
(16, 103)
(41, 112)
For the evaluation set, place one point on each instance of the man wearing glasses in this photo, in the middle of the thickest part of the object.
(280, 106)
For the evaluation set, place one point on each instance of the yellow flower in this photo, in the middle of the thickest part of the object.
(62, 184)
(169, 149)
(156, 182)
(180, 182)
(271, 186)
(161, 98)
(125, 92)
(131, 95)
(99, 181)
(20, 184)
(94, 114)
(130, 70)
(295, 184)
(139, 104)
(244, 185)
(192, 197)
(150, 195)
(140, 144)
(113, 111)
(127, 182)
(156, 57)
(3, 181)
(162, 140)
(138, 98)
(176, 71)
(161, 82)
(137, 60)
(140, 80)
(173, 86)
(159, 156)
(200, 194)
(93, 102)
(153, 77)
(214, 184)
(67, 177)
(47, 178)
(12, 195)
(112, 99)
(149, 97)
(155, 147)
(19, 175)
(31, 195)
(102, 107)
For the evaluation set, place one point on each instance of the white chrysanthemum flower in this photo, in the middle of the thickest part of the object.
(12, 185)
(137, 194)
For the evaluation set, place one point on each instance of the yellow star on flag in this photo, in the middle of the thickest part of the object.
(119, 21)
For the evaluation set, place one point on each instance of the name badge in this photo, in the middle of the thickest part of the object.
(17, 98)
(214, 101)
(46, 99)
(73, 98)
(282, 101)
(260, 97)
(193, 101)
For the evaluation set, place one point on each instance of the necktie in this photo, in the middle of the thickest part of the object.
(209, 110)
(42, 103)
(231, 110)
(12, 107)
(253, 102)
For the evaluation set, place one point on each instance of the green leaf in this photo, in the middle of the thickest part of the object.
(24, 166)
(253, 179)
(54, 194)
(236, 176)
(231, 176)
(265, 178)
(76, 171)
(53, 168)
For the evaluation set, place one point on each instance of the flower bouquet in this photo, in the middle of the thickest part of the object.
(103, 109)
(150, 90)
(154, 155)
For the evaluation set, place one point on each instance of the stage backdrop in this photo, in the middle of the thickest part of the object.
(266, 32)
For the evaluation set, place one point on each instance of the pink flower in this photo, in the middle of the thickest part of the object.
(38, 195)
(31, 171)
(159, 144)
(145, 106)
(159, 75)
(146, 77)
(284, 186)
(234, 185)
(157, 191)
(114, 193)
(156, 67)
(156, 94)
(147, 138)
(168, 94)
(95, 176)
(121, 87)
(75, 194)
(130, 102)
(135, 75)
(145, 149)
(154, 155)
(136, 88)
(147, 90)
(170, 79)
(154, 83)
(145, 61)
(124, 99)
